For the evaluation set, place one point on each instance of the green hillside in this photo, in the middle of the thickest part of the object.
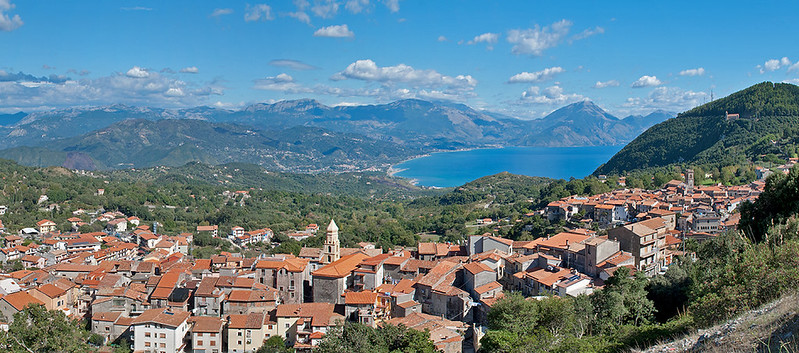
(767, 130)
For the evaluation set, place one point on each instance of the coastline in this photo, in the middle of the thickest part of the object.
(393, 170)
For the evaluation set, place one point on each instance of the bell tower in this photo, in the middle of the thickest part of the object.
(332, 249)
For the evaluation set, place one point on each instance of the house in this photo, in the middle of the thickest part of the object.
(486, 242)
(245, 301)
(288, 275)
(208, 298)
(247, 333)
(160, 330)
(446, 335)
(13, 240)
(299, 322)
(54, 298)
(111, 325)
(206, 334)
(16, 302)
(366, 307)
(330, 281)
(214, 229)
(646, 240)
(46, 226)
(118, 225)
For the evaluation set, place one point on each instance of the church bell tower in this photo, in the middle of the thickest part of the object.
(332, 250)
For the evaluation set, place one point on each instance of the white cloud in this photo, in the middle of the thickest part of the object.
(794, 81)
(392, 5)
(794, 67)
(693, 72)
(367, 70)
(258, 12)
(8, 23)
(282, 82)
(137, 8)
(357, 6)
(775, 64)
(221, 12)
(154, 89)
(667, 98)
(646, 81)
(190, 70)
(606, 84)
(337, 31)
(442, 39)
(325, 8)
(300, 14)
(292, 64)
(534, 41)
(489, 38)
(137, 72)
(537, 76)
(588, 33)
(552, 95)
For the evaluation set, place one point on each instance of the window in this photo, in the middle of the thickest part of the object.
(213, 343)
(199, 343)
(239, 343)
(212, 334)
(239, 333)
(146, 344)
(162, 345)
(287, 325)
(107, 328)
(162, 335)
(147, 334)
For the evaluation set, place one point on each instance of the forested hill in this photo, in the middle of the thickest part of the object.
(766, 129)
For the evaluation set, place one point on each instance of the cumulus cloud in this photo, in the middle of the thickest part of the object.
(357, 6)
(21, 90)
(537, 76)
(325, 8)
(646, 81)
(258, 12)
(442, 39)
(794, 81)
(8, 22)
(292, 64)
(534, 41)
(588, 33)
(693, 72)
(301, 15)
(489, 38)
(221, 12)
(606, 84)
(553, 95)
(667, 98)
(137, 72)
(336, 31)
(190, 70)
(367, 70)
(392, 5)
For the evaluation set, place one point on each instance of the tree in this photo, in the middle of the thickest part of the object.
(358, 338)
(274, 344)
(36, 329)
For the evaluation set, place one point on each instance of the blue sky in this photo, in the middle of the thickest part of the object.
(521, 58)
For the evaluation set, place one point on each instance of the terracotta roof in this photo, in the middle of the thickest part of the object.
(248, 295)
(106, 316)
(477, 267)
(207, 228)
(322, 314)
(360, 298)
(51, 291)
(341, 267)
(162, 316)
(315, 253)
(206, 324)
(249, 321)
(487, 287)
(20, 300)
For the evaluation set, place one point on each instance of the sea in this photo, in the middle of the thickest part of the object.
(448, 169)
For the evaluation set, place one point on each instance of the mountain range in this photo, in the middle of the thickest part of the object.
(298, 135)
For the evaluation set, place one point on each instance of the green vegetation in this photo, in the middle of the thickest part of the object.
(358, 338)
(766, 133)
(36, 329)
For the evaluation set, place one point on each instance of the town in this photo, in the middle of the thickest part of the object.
(135, 283)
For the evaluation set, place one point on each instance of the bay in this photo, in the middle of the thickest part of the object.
(447, 169)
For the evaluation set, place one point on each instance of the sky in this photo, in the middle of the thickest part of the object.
(519, 58)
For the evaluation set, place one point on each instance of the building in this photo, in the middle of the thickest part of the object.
(298, 323)
(247, 333)
(332, 248)
(645, 240)
(46, 226)
(330, 281)
(206, 334)
(160, 330)
(16, 302)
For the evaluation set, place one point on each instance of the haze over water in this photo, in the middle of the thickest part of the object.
(446, 169)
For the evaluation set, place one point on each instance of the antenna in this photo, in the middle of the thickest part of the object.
(711, 95)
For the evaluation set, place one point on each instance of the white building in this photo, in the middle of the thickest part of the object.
(160, 330)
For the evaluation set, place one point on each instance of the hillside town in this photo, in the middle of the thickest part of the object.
(134, 283)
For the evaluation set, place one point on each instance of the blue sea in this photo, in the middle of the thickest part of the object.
(446, 169)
